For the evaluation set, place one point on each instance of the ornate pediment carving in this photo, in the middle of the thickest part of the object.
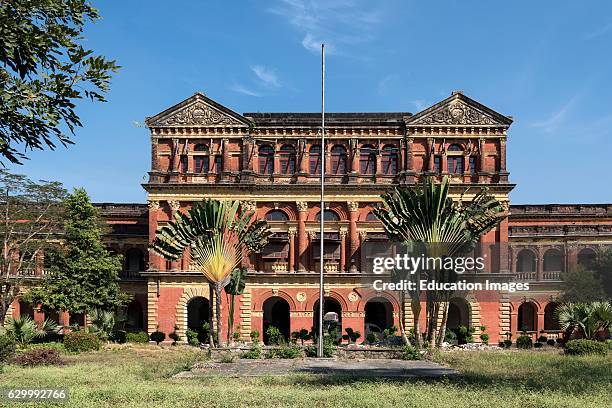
(197, 110)
(459, 110)
(197, 114)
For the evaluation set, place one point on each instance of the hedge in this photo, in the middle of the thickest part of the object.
(81, 341)
(583, 347)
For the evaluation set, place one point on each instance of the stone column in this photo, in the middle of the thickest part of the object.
(328, 164)
(343, 233)
(363, 236)
(302, 208)
(353, 208)
(156, 262)
(482, 169)
(291, 234)
(174, 207)
(503, 173)
(540, 264)
(431, 155)
(355, 157)
(304, 158)
(225, 158)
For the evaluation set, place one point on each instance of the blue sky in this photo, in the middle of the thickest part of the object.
(548, 64)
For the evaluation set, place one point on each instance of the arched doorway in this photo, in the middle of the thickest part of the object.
(276, 313)
(26, 309)
(135, 316)
(134, 260)
(77, 319)
(52, 315)
(550, 317)
(329, 305)
(378, 315)
(458, 315)
(198, 309)
(527, 317)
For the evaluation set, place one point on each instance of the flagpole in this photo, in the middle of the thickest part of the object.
(322, 211)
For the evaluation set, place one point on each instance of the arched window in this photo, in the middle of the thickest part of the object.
(276, 215)
(287, 159)
(454, 148)
(329, 216)
(371, 217)
(314, 159)
(266, 159)
(527, 317)
(201, 159)
(134, 260)
(586, 257)
(551, 322)
(454, 159)
(389, 160)
(553, 261)
(526, 261)
(338, 160)
(367, 160)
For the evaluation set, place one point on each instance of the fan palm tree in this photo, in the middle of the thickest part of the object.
(235, 287)
(586, 318)
(218, 234)
(25, 330)
(426, 215)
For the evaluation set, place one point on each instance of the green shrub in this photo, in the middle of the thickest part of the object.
(609, 343)
(484, 337)
(351, 335)
(501, 344)
(410, 353)
(582, 347)
(329, 345)
(158, 336)
(275, 337)
(450, 337)
(254, 352)
(524, 342)
(227, 358)
(289, 352)
(254, 336)
(550, 342)
(118, 336)
(310, 351)
(372, 337)
(174, 336)
(7, 348)
(52, 345)
(508, 343)
(138, 337)
(542, 339)
(37, 357)
(538, 344)
(192, 337)
(81, 341)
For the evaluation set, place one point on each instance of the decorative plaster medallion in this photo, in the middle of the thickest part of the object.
(300, 296)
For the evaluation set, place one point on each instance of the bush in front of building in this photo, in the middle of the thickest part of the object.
(7, 348)
(410, 353)
(254, 336)
(38, 357)
(286, 351)
(118, 336)
(538, 344)
(524, 342)
(158, 336)
(138, 337)
(79, 341)
(53, 345)
(583, 347)
(254, 352)
(192, 337)
(551, 342)
(275, 337)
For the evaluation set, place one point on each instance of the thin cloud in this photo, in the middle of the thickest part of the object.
(419, 104)
(598, 33)
(266, 76)
(337, 23)
(553, 123)
(244, 90)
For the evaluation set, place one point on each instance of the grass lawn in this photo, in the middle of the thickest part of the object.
(141, 376)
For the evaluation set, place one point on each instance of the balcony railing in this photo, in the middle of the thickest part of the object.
(130, 275)
(551, 275)
(526, 276)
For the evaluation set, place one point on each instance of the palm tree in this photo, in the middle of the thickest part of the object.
(25, 330)
(235, 287)
(586, 318)
(218, 234)
(427, 216)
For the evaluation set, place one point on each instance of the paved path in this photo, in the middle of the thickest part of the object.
(377, 368)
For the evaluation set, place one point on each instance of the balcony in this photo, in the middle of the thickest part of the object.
(130, 275)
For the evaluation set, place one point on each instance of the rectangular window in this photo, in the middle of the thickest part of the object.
(438, 164)
(218, 164)
(201, 164)
(472, 165)
(184, 163)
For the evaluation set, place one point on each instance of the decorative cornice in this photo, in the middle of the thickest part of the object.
(153, 205)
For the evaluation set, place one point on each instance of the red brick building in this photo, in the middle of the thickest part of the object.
(272, 162)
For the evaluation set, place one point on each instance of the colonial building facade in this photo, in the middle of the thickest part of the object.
(272, 163)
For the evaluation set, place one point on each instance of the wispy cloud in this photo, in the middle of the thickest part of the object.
(552, 123)
(236, 87)
(337, 23)
(385, 83)
(599, 32)
(266, 75)
(419, 104)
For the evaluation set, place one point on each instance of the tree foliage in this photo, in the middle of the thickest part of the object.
(427, 216)
(581, 285)
(85, 274)
(32, 215)
(44, 71)
(218, 234)
(587, 319)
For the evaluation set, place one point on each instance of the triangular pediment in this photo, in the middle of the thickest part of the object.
(458, 110)
(197, 110)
